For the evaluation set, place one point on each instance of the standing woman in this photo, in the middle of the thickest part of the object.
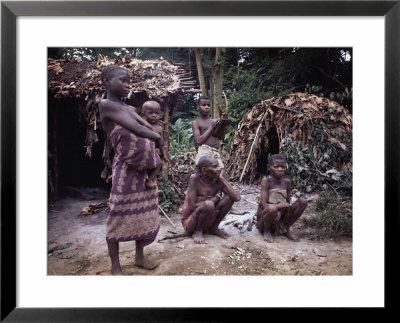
(133, 206)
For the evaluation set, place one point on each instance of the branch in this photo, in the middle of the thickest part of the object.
(175, 236)
(295, 111)
(333, 78)
(167, 216)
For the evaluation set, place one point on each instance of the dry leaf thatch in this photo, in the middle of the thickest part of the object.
(293, 116)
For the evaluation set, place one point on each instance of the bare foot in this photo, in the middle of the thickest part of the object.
(151, 184)
(268, 236)
(291, 235)
(116, 270)
(219, 233)
(144, 263)
(198, 237)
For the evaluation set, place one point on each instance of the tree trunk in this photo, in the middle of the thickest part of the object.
(200, 71)
(217, 80)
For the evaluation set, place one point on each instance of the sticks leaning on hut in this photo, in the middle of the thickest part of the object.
(252, 146)
(297, 117)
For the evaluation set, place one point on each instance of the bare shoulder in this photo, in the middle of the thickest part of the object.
(107, 105)
(131, 108)
(104, 103)
(194, 177)
(265, 180)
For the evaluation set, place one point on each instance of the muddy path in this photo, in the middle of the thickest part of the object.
(243, 253)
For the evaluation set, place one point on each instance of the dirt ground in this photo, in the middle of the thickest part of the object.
(84, 252)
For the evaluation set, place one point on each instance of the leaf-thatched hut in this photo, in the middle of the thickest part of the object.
(74, 127)
(314, 133)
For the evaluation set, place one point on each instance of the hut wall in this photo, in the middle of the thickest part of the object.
(67, 136)
(317, 124)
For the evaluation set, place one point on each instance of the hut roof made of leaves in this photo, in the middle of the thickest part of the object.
(74, 78)
(79, 80)
(315, 123)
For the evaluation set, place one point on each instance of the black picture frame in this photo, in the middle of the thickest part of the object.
(10, 10)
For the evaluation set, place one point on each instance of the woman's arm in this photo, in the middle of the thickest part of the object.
(138, 118)
(121, 116)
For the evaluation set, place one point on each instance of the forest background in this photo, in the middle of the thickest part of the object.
(247, 76)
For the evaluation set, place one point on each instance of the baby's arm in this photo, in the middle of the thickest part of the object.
(164, 154)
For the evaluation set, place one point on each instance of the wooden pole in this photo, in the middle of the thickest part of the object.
(252, 146)
(165, 214)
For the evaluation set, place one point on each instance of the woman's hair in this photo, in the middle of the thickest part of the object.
(108, 72)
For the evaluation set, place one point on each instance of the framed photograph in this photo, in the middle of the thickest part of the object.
(370, 28)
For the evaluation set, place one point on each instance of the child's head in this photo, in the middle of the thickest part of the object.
(276, 157)
(204, 105)
(116, 79)
(277, 165)
(151, 111)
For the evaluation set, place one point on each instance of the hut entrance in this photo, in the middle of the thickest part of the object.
(269, 146)
(68, 164)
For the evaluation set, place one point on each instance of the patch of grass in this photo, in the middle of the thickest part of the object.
(332, 219)
(327, 200)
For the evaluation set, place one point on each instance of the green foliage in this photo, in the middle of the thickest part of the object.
(186, 107)
(282, 69)
(90, 53)
(181, 138)
(243, 93)
(167, 198)
(310, 167)
(331, 220)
